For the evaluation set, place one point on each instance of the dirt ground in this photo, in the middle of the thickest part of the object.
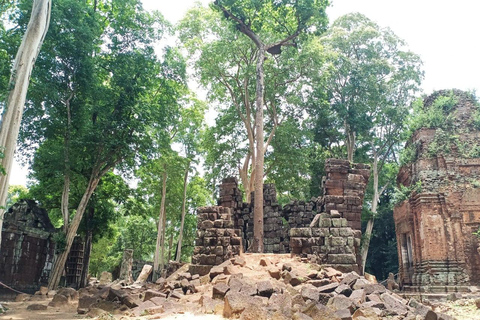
(18, 311)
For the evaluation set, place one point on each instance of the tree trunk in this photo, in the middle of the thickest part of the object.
(86, 259)
(162, 241)
(182, 223)
(350, 142)
(66, 183)
(64, 202)
(59, 265)
(22, 67)
(126, 267)
(259, 160)
(160, 228)
(368, 231)
(170, 249)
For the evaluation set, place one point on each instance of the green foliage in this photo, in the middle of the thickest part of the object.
(104, 257)
(477, 233)
(288, 164)
(225, 63)
(371, 79)
(274, 20)
(475, 183)
(402, 193)
(408, 154)
(434, 115)
(60, 240)
(382, 254)
(16, 193)
(2, 169)
(443, 143)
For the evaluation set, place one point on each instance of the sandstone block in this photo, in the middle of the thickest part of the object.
(340, 303)
(220, 290)
(344, 289)
(358, 296)
(215, 271)
(328, 288)
(59, 301)
(265, 288)
(235, 304)
(310, 293)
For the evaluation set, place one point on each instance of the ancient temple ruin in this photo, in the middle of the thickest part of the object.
(437, 249)
(27, 249)
(326, 229)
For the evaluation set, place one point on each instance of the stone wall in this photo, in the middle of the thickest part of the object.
(332, 237)
(217, 240)
(328, 240)
(275, 231)
(436, 248)
(27, 247)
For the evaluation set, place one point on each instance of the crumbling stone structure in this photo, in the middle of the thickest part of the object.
(434, 227)
(332, 237)
(275, 232)
(344, 189)
(27, 248)
(217, 239)
(328, 240)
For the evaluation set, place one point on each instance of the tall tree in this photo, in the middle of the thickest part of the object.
(19, 81)
(373, 80)
(106, 95)
(270, 25)
(370, 69)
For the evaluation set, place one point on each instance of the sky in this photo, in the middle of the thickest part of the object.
(444, 34)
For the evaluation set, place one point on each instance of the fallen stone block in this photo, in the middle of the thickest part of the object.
(37, 307)
(341, 302)
(58, 301)
(328, 288)
(85, 301)
(367, 313)
(149, 294)
(344, 289)
(358, 296)
(220, 290)
(264, 288)
(239, 261)
(310, 293)
(235, 304)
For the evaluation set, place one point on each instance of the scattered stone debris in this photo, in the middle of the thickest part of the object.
(252, 286)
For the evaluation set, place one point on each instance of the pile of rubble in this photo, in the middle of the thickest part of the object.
(253, 287)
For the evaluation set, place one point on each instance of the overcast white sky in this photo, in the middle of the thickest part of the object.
(444, 33)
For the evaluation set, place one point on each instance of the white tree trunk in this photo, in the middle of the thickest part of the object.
(59, 265)
(259, 170)
(19, 81)
(184, 211)
(368, 231)
(161, 227)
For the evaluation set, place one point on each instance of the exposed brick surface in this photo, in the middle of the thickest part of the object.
(436, 248)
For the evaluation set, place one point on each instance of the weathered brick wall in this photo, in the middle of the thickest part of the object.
(436, 248)
(344, 189)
